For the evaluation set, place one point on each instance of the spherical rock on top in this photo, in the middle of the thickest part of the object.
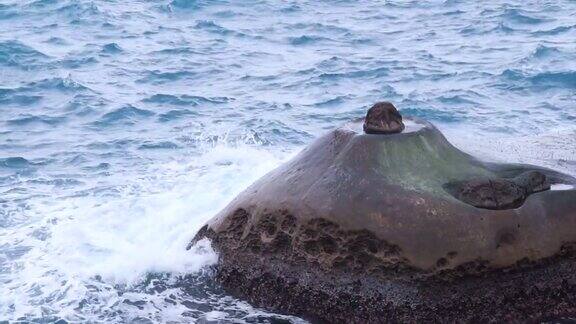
(383, 118)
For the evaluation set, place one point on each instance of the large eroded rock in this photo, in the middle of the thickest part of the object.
(366, 228)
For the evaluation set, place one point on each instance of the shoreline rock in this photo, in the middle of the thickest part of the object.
(361, 228)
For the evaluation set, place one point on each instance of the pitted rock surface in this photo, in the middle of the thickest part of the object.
(318, 241)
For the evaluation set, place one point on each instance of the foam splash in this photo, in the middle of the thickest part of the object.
(553, 149)
(561, 187)
(82, 243)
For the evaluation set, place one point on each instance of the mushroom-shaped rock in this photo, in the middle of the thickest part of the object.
(369, 228)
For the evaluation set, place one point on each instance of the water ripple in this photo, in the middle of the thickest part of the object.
(14, 53)
(124, 116)
(14, 163)
(27, 120)
(522, 17)
(184, 100)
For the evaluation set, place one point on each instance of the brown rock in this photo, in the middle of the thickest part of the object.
(495, 194)
(499, 193)
(383, 118)
(362, 229)
(533, 181)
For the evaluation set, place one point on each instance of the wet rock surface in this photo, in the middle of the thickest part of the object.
(318, 241)
(363, 229)
(533, 181)
(524, 294)
(383, 118)
(499, 193)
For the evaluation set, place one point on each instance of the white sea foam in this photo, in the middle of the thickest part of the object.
(93, 241)
(554, 149)
(561, 187)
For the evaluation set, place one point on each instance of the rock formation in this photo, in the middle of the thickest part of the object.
(499, 193)
(383, 118)
(402, 227)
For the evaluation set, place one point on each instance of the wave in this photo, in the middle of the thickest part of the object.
(31, 120)
(291, 8)
(434, 114)
(554, 31)
(519, 16)
(177, 51)
(60, 182)
(103, 166)
(333, 102)
(562, 79)
(16, 54)
(275, 131)
(42, 3)
(126, 251)
(8, 97)
(186, 4)
(476, 29)
(162, 145)
(318, 28)
(368, 73)
(59, 84)
(158, 77)
(81, 11)
(307, 40)
(185, 100)
(502, 27)
(212, 27)
(33, 92)
(15, 163)
(194, 4)
(566, 79)
(543, 52)
(456, 100)
(176, 115)
(450, 3)
(75, 12)
(77, 62)
(125, 115)
(56, 41)
(333, 62)
(111, 48)
(8, 11)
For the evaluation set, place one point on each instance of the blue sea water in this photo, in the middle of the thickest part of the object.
(126, 124)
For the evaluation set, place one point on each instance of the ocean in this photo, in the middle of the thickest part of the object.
(126, 124)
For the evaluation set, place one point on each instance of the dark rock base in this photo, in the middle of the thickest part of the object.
(305, 271)
(542, 292)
